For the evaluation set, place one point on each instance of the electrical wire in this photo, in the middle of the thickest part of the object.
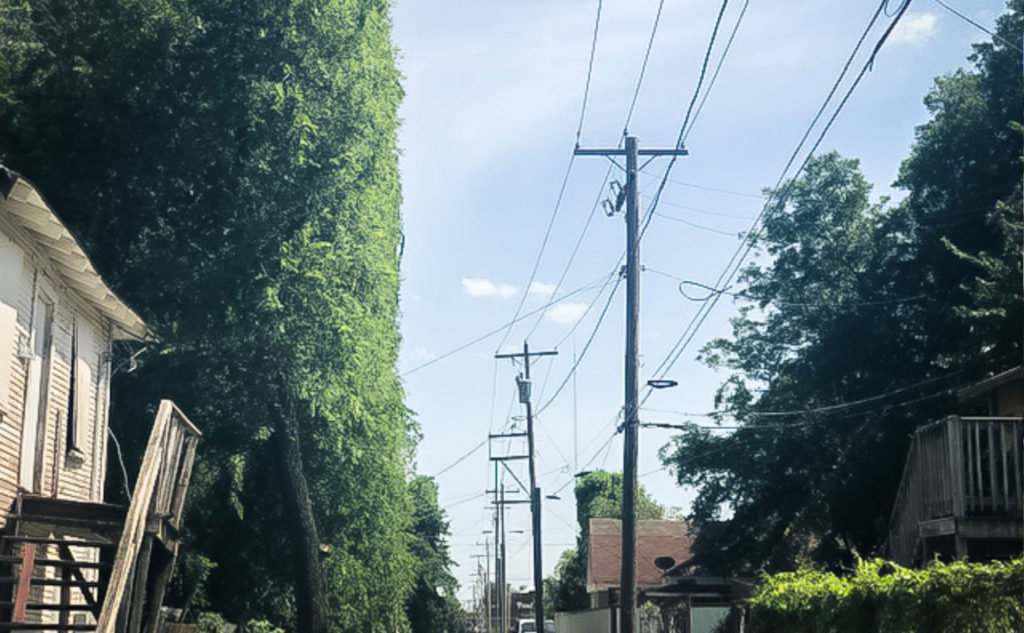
(702, 227)
(561, 188)
(643, 69)
(967, 19)
(461, 459)
(583, 352)
(590, 70)
(484, 337)
(776, 201)
(718, 68)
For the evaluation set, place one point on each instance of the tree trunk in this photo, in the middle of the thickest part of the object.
(310, 597)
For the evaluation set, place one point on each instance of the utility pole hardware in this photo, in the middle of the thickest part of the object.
(631, 412)
(523, 382)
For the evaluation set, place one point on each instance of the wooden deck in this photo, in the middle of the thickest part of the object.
(77, 566)
(961, 491)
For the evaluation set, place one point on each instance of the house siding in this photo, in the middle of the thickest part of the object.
(24, 274)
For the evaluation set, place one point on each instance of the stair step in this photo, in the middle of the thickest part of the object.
(48, 582)
(53, 562)
(56, 541)
(42, 606)
(37, 626)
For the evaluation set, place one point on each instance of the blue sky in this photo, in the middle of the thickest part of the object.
(493, 96)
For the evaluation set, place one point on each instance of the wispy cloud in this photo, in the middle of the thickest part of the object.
(568, 312)
(481, 287)
(914, 29)
(542, 289)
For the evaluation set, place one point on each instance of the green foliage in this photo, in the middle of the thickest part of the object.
(210, 622)
(232, 169)
(884, 306)
(598, 496)
(262, 626)
(432, 607)
(884, 598)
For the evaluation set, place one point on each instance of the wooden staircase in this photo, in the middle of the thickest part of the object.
(79, 566)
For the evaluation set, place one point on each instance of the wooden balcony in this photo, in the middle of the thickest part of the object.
(77, 566)
(961, 492)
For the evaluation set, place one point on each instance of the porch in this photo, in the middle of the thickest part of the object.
(78, 566)
(961, 492)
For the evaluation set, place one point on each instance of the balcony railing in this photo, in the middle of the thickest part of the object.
(958, 467)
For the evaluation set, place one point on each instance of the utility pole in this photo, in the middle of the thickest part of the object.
(524, 397)
(631, 410)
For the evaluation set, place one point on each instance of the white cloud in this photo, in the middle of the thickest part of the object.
(914, 29)
(542, 289)
(480, 287)
(567, 312)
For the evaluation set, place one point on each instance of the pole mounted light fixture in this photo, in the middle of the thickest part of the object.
(662, 383)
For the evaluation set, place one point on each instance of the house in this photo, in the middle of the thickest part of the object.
(654, 539)
(960, 495)
(70, 561)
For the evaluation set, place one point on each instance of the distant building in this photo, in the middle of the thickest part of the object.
(654, 538)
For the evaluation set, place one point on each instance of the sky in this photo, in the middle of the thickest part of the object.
(493, 96)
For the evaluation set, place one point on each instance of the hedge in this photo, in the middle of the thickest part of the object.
(881, 597)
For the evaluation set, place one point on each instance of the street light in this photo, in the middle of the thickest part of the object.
(662, 383)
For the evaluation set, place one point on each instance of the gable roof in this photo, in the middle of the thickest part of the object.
(988, 384)
(654, 538)
(24, 207)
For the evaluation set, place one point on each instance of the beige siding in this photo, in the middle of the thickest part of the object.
(22, 273)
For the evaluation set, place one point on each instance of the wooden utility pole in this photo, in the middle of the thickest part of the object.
(524, 397)
(631, 411)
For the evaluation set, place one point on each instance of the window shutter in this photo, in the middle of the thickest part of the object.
(8, 348)
(85, 390)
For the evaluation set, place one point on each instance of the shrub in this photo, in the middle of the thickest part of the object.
(882, 597)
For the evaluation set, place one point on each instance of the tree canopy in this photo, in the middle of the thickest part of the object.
(857, 318)
(232, 169)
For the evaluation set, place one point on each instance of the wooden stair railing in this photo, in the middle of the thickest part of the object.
(154, 515)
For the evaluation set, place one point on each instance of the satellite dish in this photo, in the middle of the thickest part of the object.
(664, 563)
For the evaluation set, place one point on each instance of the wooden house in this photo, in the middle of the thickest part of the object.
(69, 561)
(960, 495)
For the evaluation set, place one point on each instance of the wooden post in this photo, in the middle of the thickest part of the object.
(28, 561)
(138, 597)
(164, 567)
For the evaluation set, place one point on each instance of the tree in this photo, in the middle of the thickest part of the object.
(857, 320)
(432, 606)
(598, 496)
(232, 168)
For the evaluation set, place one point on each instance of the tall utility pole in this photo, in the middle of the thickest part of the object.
(631, 410)
(524, 397)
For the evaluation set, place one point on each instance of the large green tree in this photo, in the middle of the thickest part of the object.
(856, 320)
(232, 168)
(598, 496)
(432, 606)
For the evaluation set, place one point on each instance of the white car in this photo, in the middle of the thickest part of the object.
(529, 626)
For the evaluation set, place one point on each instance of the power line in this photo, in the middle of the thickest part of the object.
(702, 227)
(583, 352)
(643, 68)
(540, 252)
(731, 192)
(590, 70)
(776, 201)
(484, 337)
(461, 459)
(967, 19)
(562, 187)
(718, 68)
(575, 250)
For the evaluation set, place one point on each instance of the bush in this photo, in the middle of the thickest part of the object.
(884, 598)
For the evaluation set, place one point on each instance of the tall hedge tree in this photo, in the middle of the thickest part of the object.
(231, 166)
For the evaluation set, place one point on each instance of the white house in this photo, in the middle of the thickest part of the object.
(58, 320)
